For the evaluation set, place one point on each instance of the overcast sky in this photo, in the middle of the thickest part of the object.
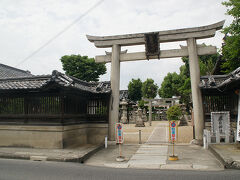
(25, 25)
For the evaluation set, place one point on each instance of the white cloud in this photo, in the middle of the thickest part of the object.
(28, 24)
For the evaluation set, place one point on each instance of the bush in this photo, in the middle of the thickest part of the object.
(174, 113)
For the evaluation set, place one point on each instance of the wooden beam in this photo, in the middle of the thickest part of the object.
(165, 38)
(216, 26)
(163, 54)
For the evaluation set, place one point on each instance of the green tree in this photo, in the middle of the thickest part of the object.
(141, 104)
(149, 89)
(174, 113)
(230, 49)
(185, 91)
(180, 84)
(170, 85)
(82, 67)
(135, 89)
(206, 64)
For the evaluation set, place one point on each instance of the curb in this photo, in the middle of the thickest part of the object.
(88, 155)
(14, 156)
(81, 159)
(227, 163)
(214, 152)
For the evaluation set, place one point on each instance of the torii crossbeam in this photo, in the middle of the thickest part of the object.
(152, 41)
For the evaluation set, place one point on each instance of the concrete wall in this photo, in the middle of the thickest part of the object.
(31, 136)
(97, 133)
(52, 136)
(74, 135)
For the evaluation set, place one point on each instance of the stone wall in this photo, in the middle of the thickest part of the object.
(52, 136)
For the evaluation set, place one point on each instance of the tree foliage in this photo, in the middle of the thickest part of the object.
(141, 103)
(82, 67)
(149, 89)
(135, 89)
(170, 85)
(174, 113)
(230, 49)
(180, 84)
(206, 64)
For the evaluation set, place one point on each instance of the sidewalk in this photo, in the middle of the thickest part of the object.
(228, 154)
(154, 155)
(78, 154)
(191, 157)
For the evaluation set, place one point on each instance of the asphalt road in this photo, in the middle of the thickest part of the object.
(32, 170)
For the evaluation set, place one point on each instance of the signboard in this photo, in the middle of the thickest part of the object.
(173, 130)
(220, 122)
(238, 121)
(119, 133)
(238, 129)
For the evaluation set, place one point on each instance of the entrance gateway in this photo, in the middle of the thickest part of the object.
(152, 42)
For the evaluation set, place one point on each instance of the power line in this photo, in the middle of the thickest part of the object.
(60, 33)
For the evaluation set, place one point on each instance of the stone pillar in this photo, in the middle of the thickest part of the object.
(150, 112)
(139, 121)
(124, 111)
(144, 116)
(196, 93)
(115, 83)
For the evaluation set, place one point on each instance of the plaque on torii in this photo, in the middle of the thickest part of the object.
(152, 51)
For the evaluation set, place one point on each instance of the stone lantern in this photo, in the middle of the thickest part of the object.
(144, 116)
(124, 111)
(139, 120)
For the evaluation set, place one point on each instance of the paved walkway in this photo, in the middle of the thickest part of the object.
(159, 134)
(152, 154)
(149, 156)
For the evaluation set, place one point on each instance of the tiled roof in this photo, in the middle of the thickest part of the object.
(219, 81)
(11, 72)
(123, 94)
(38, 82)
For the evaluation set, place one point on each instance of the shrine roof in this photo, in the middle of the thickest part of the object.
(123, 94)
(11, 72)
(57, 78)
(221, 82)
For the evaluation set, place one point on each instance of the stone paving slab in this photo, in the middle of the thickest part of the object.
(196, 156)
(177, 166)
(149, 156)
(141, 156)
(144, 166)
(159, 134)
(149, 160)
(117, 165)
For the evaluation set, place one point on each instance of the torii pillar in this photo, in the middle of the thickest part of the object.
(151, 42)
(115, 83)
(196, 93)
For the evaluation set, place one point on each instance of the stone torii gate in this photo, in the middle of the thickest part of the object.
(152, 42)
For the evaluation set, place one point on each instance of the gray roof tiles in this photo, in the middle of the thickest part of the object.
(11, 72)
(219, 81)
(38, 82)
